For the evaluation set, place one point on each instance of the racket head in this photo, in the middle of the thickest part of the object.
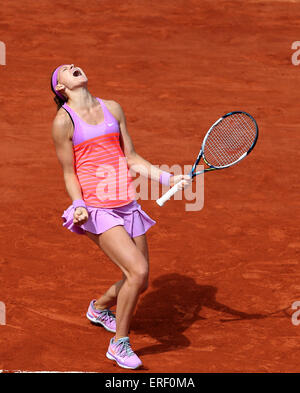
(229, 140)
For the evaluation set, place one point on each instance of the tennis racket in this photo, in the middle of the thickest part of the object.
(227, 142)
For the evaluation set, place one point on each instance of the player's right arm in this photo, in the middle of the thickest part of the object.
(62, 131)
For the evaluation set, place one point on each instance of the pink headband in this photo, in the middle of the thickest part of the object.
(54, 83)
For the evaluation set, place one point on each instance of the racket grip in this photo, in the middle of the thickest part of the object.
(164, 198)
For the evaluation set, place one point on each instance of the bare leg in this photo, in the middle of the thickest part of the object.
(109, 299)
(119, 247)
(142, 245)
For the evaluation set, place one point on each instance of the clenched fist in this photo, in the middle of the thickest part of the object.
(81, 216)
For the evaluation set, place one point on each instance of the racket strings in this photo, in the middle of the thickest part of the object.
(229, 139)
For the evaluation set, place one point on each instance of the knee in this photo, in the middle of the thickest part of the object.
(139, 277)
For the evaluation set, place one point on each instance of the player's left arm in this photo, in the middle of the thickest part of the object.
(134, 160)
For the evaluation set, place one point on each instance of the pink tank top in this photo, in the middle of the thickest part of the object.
(100, 164)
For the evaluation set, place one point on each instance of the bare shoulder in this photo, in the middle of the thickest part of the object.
(62, 118)
(115, 108)
(112, 103)
(62, 125)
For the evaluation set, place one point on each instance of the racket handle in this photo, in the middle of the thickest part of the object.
(161, 201)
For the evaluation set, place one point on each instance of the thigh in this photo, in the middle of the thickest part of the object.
(142, 245)
(119, 247)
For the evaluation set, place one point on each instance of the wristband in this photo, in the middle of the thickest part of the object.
(164, 178)
(79, 203)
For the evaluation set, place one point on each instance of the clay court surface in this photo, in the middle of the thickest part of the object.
(223, 279)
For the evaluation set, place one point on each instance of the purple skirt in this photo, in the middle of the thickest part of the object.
(131, 216)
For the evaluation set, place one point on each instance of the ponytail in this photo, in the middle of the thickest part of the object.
(59, 102)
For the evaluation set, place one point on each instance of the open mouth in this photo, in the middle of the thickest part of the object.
(77, 73)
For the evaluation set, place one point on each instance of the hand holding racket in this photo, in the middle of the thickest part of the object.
(182, 181)
(228, 141)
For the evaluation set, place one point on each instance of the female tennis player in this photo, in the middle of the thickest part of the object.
(95, 150)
